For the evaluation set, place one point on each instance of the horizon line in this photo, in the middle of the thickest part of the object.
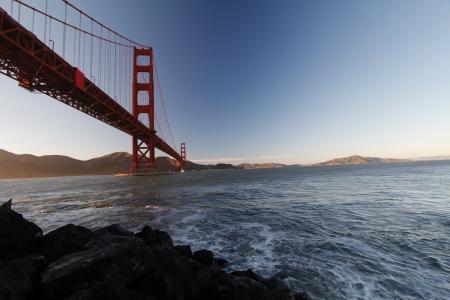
(246, 159)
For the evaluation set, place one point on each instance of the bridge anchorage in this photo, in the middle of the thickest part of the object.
(98, 72)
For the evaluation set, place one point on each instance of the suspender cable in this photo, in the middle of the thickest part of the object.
(32, 23)
(73, 26)
(64, 31)
(119, 97)
(84, 51)
(74, 46)
(118, 34)
(19, 11)
(115, 68)
(92, 49)
(45, 23)
(109, 66)
(79, 44)
(163, 104)
(130, 95)
(100, 59)
(105, 66)
(160, 131)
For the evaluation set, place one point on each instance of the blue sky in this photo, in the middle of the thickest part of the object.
(284, 81)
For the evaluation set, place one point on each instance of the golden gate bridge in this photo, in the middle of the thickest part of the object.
(68, 55)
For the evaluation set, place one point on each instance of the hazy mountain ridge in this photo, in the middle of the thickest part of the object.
(29, 166)
(359, 160)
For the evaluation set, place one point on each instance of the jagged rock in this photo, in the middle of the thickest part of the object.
(114, 229)
(121, 262)
(302, 296)
(281, 294)
(163, 238)
(228, 287)
(166, 283)
(147, 234)
(107, 236)
(248, 273)
(155, 236)
(204, 257)
(278, 290)
(107, 290)
(112, 263)
(64, 240)
(18, 278)
(7, 205)
(175, 278)
(18, 237)
(105, 240)
(184, 250)
(274, 282)
(219, 263)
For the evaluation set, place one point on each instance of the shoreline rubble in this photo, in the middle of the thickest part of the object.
(75, 263)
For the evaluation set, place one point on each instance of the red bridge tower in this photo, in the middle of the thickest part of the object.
(143, 108)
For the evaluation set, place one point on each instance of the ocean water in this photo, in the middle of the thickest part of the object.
(349, 232)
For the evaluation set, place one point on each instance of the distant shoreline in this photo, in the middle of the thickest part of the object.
(26, 166)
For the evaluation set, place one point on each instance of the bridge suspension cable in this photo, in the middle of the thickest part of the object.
(104, 56)
(163, 103)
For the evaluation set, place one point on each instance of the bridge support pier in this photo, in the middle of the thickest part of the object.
(143, 108)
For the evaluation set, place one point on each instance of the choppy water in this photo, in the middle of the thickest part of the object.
(352, 232)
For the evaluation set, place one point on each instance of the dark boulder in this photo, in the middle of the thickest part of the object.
(247, 273)
(155, 236)
(175, 276)
(108, 235)
(219, 263)
(281, 294)
(274, 282)
(228, 287)
(114, 229)
(18, 237)
(19, 277)
(147, 234)
(278, 289)
(64, 240)
(7, 205)
(184, 250)
(275, 288)
(107, 290)
(121, 262)
(163, 238)
(204, 257)
(302, 296)
(165, 283)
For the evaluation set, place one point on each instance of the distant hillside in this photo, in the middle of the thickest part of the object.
(261, 166)
(358, 160)
(28, 166)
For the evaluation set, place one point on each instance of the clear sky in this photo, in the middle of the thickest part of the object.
(283, 81)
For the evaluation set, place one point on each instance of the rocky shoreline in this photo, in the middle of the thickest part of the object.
(74, 262)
